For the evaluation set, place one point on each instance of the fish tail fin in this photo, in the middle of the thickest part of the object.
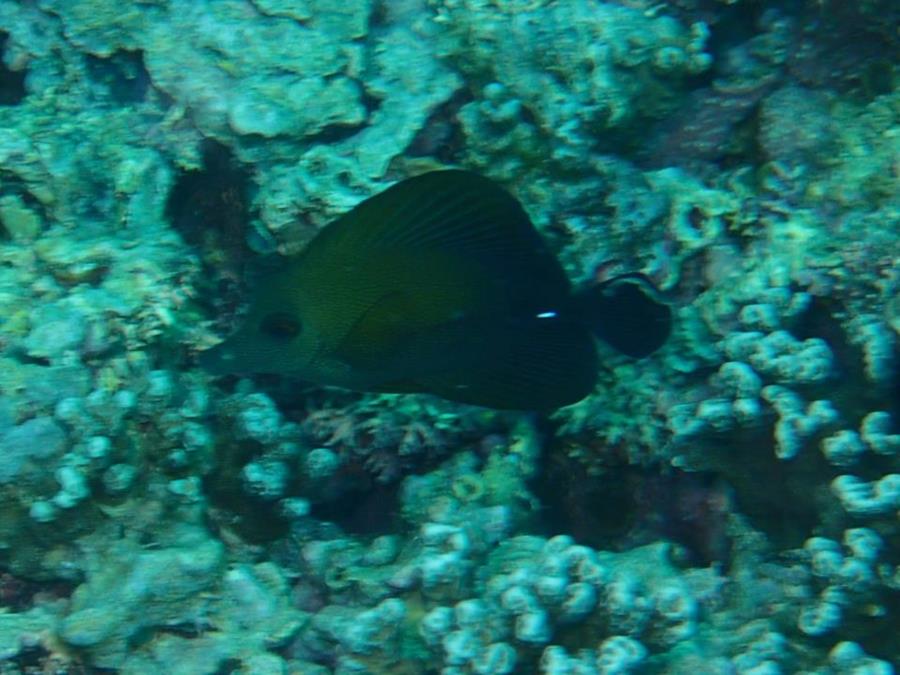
(627, 313)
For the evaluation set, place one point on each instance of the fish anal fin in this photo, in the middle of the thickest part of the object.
(529, 365)
(399, 387)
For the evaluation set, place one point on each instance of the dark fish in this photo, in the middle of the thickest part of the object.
(440, 284)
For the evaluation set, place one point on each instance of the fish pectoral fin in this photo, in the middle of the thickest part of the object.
(530, 365)
(377, 332)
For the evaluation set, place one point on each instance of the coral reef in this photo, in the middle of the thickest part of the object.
(727, 505)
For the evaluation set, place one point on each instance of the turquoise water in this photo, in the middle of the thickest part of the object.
(728, 504)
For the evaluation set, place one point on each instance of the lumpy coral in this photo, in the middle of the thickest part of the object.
(725, 505)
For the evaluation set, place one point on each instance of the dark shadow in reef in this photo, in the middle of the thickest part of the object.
(631, 506)
(369, 512)
(351, 499)
(12, 82)
(255, 520)
(361, 507)
(209, 208)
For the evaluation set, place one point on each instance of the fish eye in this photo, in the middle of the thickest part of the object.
(280, 325)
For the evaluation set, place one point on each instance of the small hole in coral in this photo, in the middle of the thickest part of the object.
(123, 74)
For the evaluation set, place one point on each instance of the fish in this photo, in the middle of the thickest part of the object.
(440, 284)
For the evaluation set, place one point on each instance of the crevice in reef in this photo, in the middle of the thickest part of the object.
(368, 512)
(12, 82)
(629, 506)
(209, 207)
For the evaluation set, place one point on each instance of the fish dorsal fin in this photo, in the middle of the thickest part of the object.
(525, 365)
(460, 216)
